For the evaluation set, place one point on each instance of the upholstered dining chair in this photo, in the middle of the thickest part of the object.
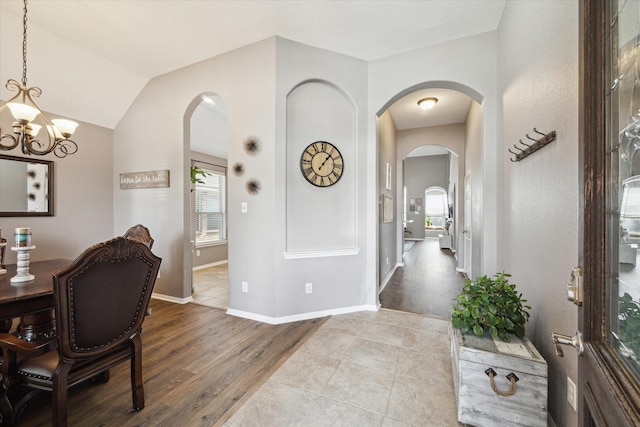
(100, 302)
(141, 234)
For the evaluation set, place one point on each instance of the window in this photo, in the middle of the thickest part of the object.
(435, 207)
(211, 212)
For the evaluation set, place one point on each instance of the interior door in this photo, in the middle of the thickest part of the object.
(609, 369)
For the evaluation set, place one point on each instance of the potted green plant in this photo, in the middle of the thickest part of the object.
(196, 173)
(490, 305)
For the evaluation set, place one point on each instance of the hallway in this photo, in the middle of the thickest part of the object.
(428, 282)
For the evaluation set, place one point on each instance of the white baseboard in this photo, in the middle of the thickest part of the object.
(169, 298)
(212, 264)
(302, 316)
(389, 276)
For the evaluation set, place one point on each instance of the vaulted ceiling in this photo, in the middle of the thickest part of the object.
(92, 58)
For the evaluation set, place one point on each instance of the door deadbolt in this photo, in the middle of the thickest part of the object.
(575, 288)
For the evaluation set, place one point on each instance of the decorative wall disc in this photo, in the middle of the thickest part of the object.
(238, 169)
(253, 186)
(252, 145)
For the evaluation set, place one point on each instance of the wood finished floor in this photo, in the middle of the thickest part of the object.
(428, 282)
(199, 365)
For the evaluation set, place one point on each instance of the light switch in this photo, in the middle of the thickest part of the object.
(243, 207)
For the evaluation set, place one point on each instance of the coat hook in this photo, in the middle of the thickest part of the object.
(536, 131)
(534, 140)
(524, 143)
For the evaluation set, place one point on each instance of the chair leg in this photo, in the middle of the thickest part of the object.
(6, 410)
(59, 398)
(137, 389)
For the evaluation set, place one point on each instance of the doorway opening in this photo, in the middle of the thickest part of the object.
(427, 148)
(208, 205)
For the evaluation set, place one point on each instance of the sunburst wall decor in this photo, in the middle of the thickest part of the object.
(253, 186)
(238, 169)
(251, 145)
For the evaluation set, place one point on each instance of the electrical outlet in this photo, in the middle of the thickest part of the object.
(198, 252)
(243, 207)
(245, 286)
(158, 276)
(387, 260)
(572, 394)
(309, 288)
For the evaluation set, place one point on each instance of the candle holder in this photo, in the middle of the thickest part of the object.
(22, 271)
(23, 246)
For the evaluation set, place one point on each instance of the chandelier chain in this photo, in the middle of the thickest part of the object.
(24, 45)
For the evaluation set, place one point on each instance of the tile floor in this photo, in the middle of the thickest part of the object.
(211, 286)
(385, 368)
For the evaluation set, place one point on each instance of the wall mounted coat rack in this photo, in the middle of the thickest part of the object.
(532, 148)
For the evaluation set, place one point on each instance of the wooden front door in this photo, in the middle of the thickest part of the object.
(609, 369)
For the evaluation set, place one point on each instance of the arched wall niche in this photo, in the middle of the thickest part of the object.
(321, 219)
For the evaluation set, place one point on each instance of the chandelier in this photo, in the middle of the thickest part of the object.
(30, 119)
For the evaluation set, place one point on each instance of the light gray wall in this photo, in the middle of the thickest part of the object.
(538, 75)
(390, 252)
(474, 167)
(421, 173)
(468, 65)
(451, 137)
(152, 136)
(336, 271)
(13, 187)
(83, 199)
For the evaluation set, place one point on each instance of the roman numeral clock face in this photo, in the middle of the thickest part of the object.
(321, 164)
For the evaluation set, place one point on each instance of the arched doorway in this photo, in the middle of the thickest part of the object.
(207, 125)
(402, 128)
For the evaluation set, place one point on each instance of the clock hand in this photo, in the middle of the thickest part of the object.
(325, 161)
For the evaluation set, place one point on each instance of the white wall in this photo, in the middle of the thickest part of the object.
(538, 75)
(83, 197)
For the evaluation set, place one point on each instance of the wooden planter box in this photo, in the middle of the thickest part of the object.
(478, 404)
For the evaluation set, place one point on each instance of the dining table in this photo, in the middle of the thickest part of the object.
(31, 301)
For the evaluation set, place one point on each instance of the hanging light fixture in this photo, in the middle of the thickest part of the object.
(427, 103)
(29, 118)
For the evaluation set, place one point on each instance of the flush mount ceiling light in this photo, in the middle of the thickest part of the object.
(427, 103)
(29, 118)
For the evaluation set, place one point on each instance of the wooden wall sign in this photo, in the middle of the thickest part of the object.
(150, 179)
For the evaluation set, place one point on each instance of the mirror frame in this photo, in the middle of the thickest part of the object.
(50, 198)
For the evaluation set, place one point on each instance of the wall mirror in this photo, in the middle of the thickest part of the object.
(26, 187)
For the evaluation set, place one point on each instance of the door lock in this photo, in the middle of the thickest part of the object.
(575, 288)
(574, 341)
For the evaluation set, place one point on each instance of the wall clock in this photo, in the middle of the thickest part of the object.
(321, 164)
